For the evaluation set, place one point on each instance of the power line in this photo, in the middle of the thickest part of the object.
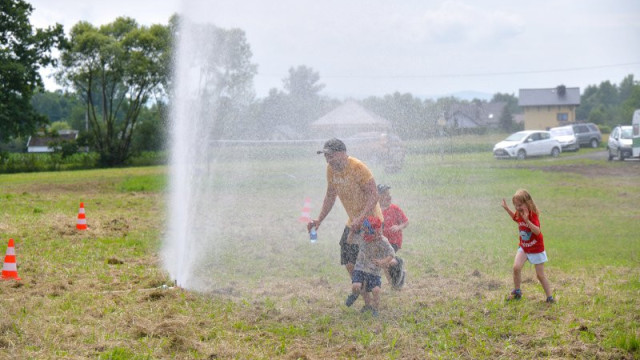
(463, 75)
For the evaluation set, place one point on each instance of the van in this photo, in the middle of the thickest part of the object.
(566, 137)
(635, 142)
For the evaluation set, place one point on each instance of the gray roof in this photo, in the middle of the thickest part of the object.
(45, 140)
(483, 114)
(351, 114)
(546, 97)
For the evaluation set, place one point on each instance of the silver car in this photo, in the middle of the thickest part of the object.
(566, 136)
(620, 142)
(528, 143)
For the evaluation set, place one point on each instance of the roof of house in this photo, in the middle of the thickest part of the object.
(551, 96)
(351, 114)
(484, 114)
(42, 140)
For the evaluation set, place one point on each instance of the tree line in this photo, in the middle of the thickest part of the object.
(117, 86)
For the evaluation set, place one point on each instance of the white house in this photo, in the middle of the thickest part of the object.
(40, 143)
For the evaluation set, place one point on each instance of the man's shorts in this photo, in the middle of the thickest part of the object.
(536, 258)
(371, 281)
(348, 252)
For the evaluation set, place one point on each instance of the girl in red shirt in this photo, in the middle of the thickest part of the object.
(531, 242)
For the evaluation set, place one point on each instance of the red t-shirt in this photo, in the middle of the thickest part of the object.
(393, 215)
(529, 242)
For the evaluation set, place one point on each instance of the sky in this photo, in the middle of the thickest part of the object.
(429, 48)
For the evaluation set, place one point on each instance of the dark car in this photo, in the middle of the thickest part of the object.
(587, 134)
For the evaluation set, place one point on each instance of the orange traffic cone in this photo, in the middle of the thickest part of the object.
(10, 268)
(306, 211)
(82, 220)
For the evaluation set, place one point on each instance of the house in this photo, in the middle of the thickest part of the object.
(475, 115)
(349, 119)
(547, 108)
(41, 143)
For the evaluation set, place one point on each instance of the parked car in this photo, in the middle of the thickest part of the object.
(528, 143)
(587, 134)
(566, 136)
(620, 142)
(378, 148)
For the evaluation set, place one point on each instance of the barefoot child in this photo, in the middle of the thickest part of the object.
(531, 243)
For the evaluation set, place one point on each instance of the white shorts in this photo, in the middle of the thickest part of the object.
(537, 258)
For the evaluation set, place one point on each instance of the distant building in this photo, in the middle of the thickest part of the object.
(547, 108)
(42, 143)
(349, 119)
(469, 116)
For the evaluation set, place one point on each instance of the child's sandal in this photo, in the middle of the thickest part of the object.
(516, 294)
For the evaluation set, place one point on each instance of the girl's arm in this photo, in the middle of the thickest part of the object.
(534, 228)
(506, 207)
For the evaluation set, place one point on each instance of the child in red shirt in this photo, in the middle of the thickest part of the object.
(394, 222)
(394, 218)
(531, 242)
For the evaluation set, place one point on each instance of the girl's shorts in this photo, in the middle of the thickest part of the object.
(537, 258)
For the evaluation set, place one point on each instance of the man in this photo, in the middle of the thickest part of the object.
(350, 180)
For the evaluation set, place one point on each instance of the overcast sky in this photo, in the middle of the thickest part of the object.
(423, 47)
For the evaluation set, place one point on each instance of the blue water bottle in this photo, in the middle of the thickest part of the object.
(313, 235)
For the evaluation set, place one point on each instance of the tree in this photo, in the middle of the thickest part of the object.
(151, 131)
(221, 59)
(506, 119)
(61, 106)
(22, 52)
(116, 69)
(298, 105)
(510, 99)
(304, 100)
(302, 83)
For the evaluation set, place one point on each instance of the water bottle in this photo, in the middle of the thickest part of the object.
(313, 235)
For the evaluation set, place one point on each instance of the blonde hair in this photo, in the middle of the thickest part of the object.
(523, 196)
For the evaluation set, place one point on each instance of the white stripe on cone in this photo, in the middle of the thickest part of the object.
(10, 267)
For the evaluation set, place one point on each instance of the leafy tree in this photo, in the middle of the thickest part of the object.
(506, 119)
(304, 100)
(116, 69)
(151, 130)
(302, 83)
(607, 104)
(23, 51)
(56, 126)
(410, 117)
(222, 59)
(510, 99)
(630, 104)
(298, 105)
(60, 106)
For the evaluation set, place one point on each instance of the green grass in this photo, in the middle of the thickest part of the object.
(270, 294)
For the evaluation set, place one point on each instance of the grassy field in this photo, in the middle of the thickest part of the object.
(103, 293)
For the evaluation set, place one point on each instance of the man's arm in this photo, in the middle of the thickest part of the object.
(371, 193)
(327, 205)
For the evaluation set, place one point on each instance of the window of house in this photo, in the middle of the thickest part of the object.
(563, 116)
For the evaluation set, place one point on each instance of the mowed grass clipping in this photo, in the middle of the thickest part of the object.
(103, 293)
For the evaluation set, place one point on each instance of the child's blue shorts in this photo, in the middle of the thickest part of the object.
(370, 280)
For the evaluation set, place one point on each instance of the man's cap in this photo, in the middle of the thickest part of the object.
(382, 188)
(333, 145)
